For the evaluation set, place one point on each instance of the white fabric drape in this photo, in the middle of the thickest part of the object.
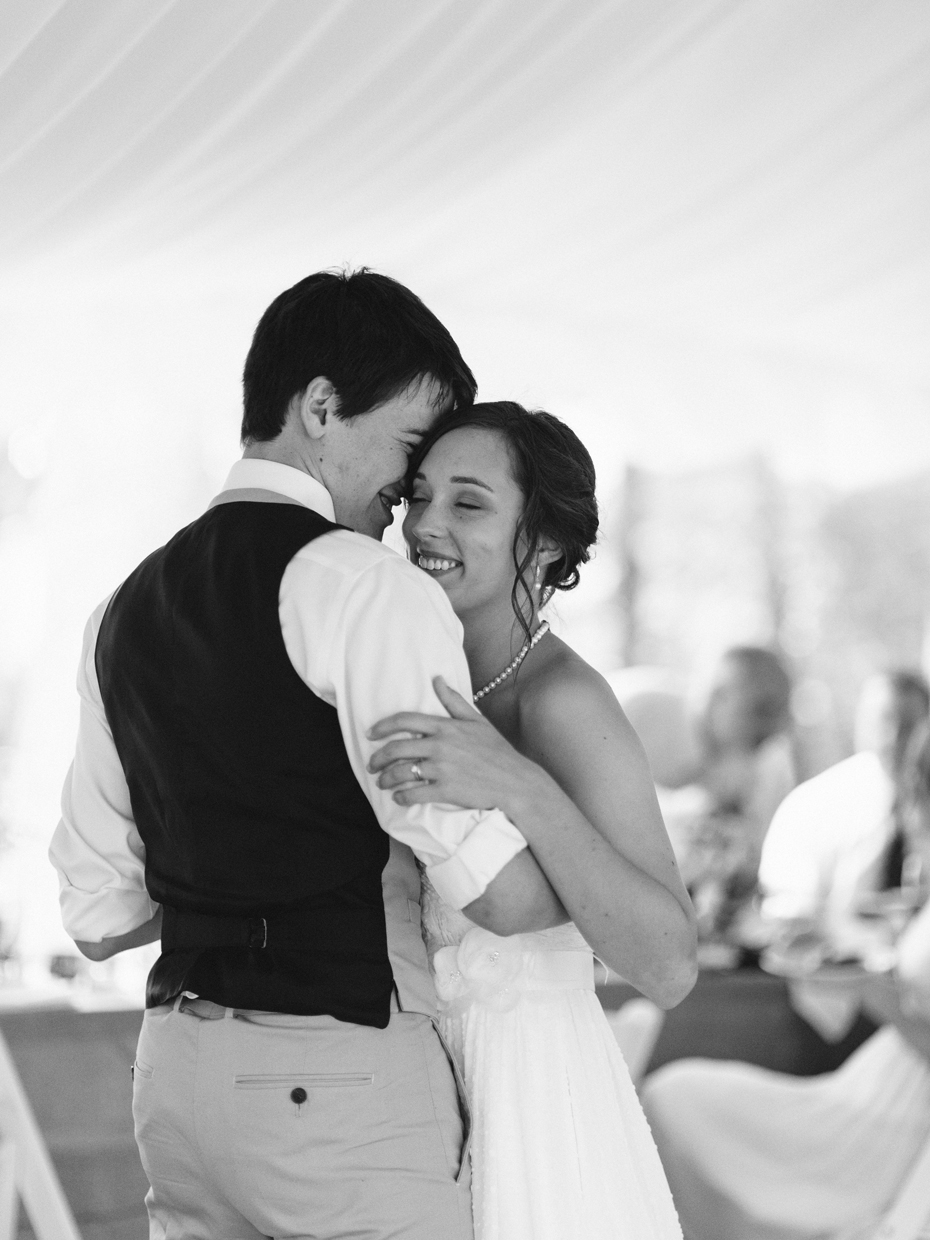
(668, 198)
(693, 228)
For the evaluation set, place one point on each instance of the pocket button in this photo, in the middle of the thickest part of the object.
(299, 1095)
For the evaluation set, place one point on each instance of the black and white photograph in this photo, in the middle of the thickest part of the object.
(464, 619)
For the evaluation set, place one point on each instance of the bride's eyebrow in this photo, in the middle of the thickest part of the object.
(476, 482)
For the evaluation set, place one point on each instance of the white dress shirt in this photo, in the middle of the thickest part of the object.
(366, 631)
(827, 841)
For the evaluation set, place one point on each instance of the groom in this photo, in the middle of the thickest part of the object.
(289, 1080)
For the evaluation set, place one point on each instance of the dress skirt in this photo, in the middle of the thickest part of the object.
(561, 1149)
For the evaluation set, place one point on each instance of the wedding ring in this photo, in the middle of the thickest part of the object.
(416, 773)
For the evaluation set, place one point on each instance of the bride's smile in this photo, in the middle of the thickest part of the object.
(434, 565)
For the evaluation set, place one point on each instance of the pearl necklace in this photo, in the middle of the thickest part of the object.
(512, 667)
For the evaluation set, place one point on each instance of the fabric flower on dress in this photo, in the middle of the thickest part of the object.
(484, 968)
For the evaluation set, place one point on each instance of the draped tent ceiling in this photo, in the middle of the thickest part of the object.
(694, 227)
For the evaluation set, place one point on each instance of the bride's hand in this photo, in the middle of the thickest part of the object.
(462, 760)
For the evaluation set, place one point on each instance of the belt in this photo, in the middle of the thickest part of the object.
(206, 1009)
(181, 930)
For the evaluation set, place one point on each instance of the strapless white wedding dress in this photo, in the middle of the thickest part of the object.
(561, 1149)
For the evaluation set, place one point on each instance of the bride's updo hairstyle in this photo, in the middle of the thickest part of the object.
(555, 474)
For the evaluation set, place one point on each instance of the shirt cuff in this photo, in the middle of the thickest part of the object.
(478, 860)
(90, 916)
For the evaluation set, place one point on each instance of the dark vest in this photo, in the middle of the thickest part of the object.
(260, 844)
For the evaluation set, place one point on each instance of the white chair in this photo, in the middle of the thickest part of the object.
(26, 1169)
(636, 1026)
(908, 1217)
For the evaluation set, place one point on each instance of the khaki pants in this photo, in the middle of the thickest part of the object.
(255, 1124)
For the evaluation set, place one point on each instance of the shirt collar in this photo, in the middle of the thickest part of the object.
(252, 472)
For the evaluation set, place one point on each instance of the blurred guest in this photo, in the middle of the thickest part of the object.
(756, 1155)
(747, 761)
(746, 769)
(913, 809)
(838, 836)
(656, 706)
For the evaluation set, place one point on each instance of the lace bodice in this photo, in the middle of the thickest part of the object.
(444, 926)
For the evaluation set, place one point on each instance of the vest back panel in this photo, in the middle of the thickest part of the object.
(240, 783)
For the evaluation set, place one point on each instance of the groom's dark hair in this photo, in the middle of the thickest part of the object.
(366, 333)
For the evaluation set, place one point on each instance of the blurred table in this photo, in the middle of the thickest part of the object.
(743, 1014)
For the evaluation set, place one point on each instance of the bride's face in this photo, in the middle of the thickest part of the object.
(462, 517)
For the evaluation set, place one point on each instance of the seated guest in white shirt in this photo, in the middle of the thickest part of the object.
(835, 837)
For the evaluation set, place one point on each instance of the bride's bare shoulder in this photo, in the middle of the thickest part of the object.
(564, 694)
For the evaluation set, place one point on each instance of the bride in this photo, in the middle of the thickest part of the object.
(501, 512)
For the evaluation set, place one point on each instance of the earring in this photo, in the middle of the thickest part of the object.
(538, 574)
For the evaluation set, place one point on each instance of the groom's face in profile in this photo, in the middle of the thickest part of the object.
(365, 458)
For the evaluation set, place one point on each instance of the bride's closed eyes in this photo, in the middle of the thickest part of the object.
(466, 502)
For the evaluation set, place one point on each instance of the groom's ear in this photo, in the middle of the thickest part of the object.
(315, 406)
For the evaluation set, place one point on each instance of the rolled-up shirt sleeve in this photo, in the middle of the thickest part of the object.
(389, 631)
(96, 847)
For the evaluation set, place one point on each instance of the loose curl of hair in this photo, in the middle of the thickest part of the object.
(555, 474)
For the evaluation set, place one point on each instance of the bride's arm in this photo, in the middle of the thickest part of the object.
(518, 899)
(602, 842)
(587, 808)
